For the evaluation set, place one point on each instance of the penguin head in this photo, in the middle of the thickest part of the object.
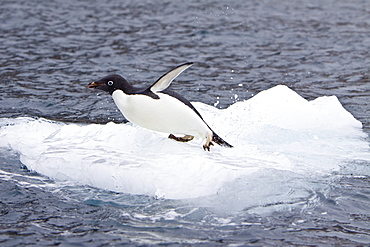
(111, 83)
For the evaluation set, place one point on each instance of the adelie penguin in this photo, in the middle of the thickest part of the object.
(159, 109)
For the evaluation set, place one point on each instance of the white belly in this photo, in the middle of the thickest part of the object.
(166, 114)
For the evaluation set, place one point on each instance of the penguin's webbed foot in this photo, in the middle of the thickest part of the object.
(207, 147)
(186, 138)
(208, 143)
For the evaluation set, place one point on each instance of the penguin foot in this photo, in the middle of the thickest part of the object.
(208, 143)
(186, 138)
(207, 147)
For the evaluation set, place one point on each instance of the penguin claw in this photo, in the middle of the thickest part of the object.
(207, 147)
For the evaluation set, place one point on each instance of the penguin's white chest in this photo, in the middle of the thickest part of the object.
(166, 114)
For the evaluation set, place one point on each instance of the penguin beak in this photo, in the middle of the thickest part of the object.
(94, 85)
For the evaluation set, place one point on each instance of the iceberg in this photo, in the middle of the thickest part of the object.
(275, 132)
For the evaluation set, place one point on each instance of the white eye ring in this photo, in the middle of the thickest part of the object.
(110, 83)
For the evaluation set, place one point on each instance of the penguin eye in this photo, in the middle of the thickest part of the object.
(110, 83)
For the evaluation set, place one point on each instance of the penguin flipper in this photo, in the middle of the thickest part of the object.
(165, 80)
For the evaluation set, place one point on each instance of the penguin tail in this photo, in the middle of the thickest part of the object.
(220, 141)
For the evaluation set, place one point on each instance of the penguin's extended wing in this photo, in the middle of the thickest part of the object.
(165, 80)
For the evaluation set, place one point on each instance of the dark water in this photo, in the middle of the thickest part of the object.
(50, 51)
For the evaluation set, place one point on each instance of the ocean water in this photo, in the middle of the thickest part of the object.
(286, 83)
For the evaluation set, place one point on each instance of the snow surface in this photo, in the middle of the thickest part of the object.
(275, 134)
